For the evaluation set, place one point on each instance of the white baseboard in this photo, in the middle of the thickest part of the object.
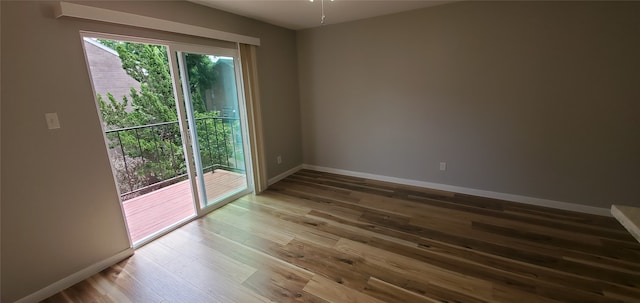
(629, 217)
(469, 191)
(284, 175)
(71, 280)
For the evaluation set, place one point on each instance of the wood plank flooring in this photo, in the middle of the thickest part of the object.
(319, 237)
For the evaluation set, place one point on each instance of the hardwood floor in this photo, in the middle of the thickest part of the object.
(318, 237)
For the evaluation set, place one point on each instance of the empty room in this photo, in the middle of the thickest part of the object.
(320, 151)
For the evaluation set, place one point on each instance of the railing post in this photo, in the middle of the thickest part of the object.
(173, 156)
(124, 158)
(224, 134)
(155, 141)
(206, 129)
(215, 130)
(233, 144)
(139, 146)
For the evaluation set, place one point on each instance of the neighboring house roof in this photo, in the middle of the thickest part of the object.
(106, 71)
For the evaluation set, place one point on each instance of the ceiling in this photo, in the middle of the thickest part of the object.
(301, 14)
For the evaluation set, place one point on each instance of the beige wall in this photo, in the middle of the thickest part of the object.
(60, 210)
(534, 99)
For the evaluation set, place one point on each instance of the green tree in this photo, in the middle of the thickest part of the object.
(201, 76)
(154, 153)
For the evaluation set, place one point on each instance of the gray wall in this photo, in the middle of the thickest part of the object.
(60, 210)
(539, 99)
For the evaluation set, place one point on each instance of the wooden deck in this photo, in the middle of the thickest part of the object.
(325, 238)
(155, 211)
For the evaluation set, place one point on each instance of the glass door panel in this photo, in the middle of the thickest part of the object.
(135, 99)
(214, 115)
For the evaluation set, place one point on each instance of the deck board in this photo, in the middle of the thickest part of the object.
(155, 211)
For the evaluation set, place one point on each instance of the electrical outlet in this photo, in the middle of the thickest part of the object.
(52, 120)
(279, 159)
(443, 166)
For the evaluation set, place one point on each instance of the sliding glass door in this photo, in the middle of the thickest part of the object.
(215, 119)
(174, 125)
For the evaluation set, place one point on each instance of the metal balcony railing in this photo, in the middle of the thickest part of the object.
(149, 157)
